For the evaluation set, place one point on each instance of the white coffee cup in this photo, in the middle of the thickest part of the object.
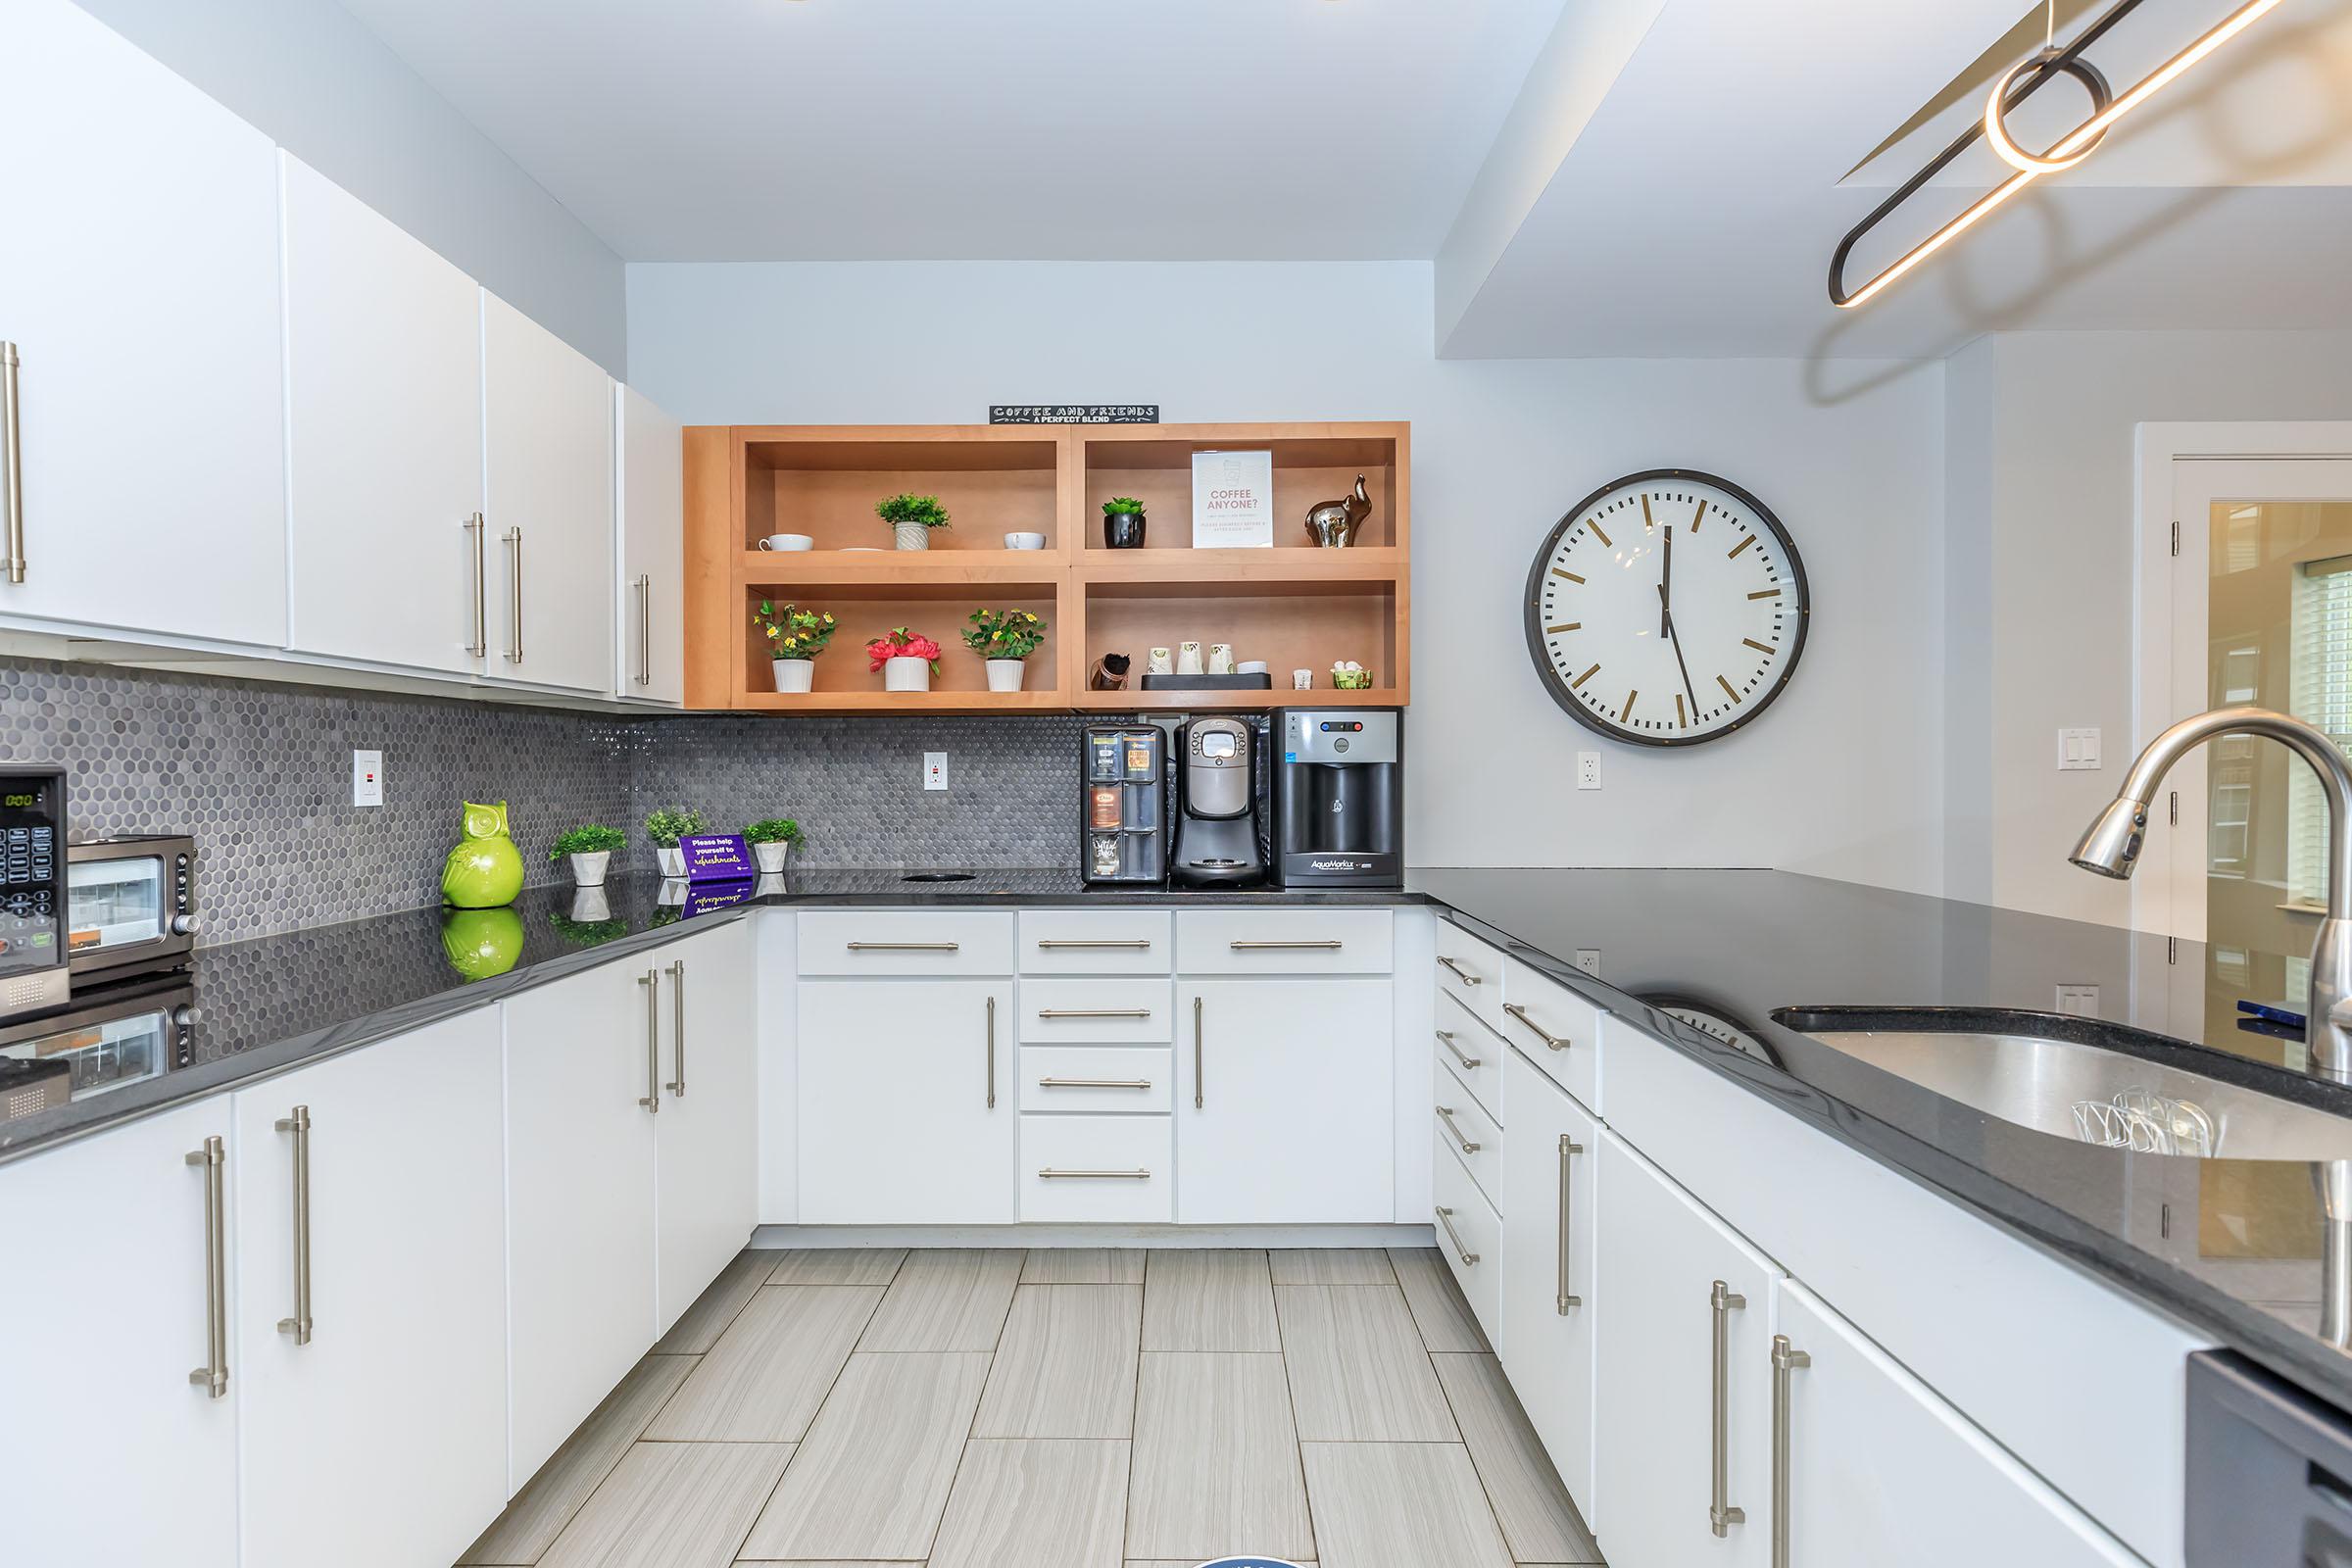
(1251, 666)
(1220, 659)
(1024, 541)
(1303, 680)
(1164, 662)
(788, 541)
(1188, 659)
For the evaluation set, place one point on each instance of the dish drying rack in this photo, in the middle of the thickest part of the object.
(2147, 1123)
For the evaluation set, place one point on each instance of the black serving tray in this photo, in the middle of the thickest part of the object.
(1258, 681)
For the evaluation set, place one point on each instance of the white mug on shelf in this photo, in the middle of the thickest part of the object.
(1303, 680)
(1024, 541)
(1164, 662)
(1188, 659)
(788, 541)
(1251, 666)
(1220, 659)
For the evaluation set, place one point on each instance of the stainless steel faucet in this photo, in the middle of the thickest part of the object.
(2111, 848)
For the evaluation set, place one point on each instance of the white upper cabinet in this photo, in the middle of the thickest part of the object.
(384, 425)
(650, 633)
(138, 281)
(547, 431)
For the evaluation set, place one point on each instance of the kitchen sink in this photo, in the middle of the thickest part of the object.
(2036, 1072)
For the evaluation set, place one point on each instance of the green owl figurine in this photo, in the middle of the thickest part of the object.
(485, 869)
(481, 943)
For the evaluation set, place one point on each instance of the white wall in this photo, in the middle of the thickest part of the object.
(309, 76)
(1843, 777)
(2042, 585)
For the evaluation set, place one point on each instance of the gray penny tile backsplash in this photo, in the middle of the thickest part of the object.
(260, 774)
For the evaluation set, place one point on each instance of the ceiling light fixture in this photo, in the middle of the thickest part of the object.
(2013, 88)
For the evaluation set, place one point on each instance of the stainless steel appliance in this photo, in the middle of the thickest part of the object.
(1218, 798)
(1122, 806)
(131, 905)
(2270, 1470)
(33, 975)
(1339, 798)
(136, 1032)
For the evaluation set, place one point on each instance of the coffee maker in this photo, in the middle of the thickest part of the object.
(1339, 798)
(1216, 804)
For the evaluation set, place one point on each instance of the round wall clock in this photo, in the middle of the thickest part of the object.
(1668, 609)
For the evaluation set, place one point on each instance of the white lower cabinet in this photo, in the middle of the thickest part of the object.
(707, 1134)
(1551, 1294)
(1284, 1101)
(115, 1456)
(1097, 1170)
(908, 1110)
(1881, 1470)
(366, 1211)
(1684, 1380)
(1469, 1238)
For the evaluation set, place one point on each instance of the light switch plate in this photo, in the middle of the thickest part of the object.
(2078, 750)
(366, 778)
(935, 771)
(2079, 1000)
(1588, 770)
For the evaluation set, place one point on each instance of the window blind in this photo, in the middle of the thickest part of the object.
(2319, 691)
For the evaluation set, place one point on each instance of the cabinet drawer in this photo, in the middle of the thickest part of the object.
(1470, 1237)
(1097, 941)
(1470, 972)
(1097, 1078)
(889, 942)
(1100, 1013)
(1276, 941)
(1473, 1054)
(1557, 1029)
(1097, 1168)
(1476, 1138)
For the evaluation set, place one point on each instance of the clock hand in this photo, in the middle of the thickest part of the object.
(1666, 588)
(1676, 643)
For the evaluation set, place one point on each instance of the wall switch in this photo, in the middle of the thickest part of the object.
(935, 771)
(1588, 960)
(2078, 750)
(366, 778)
(1588, 770)
(2079, 1000)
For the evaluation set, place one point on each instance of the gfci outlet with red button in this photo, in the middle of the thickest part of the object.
(366, 778)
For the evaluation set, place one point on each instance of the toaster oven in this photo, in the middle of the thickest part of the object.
(130, 906)
(97, 1047)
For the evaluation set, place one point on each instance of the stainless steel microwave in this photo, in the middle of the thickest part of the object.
(96, 1047)
(130, 906)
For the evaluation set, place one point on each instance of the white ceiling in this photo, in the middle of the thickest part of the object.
(982, 130)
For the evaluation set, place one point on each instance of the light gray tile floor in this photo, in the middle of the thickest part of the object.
(1089, 1408)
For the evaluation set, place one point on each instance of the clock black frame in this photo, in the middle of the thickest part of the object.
(1532, 603)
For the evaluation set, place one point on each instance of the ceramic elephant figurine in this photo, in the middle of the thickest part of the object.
(1333, 523)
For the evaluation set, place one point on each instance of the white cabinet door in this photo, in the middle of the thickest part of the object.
(650, 633)
(1551, 1294)
(707, 1134)
(113, 1456)
(1284, 1096)
(1661, 1258)
(548, 443)
(384, 436)
(138, 281)
(908, 1110)
(580, 1149)
(382, 1439)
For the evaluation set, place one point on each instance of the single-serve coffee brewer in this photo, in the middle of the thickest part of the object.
(1217, 787)
(1339, 798)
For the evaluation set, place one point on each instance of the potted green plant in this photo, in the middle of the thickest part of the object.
(771, 840)
(794, 638)
(665, 827)
(1123, 522)
(912, 517)
(908, 659)
(1004, 638)
(589, 850)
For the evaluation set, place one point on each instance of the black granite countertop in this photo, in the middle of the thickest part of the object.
(273, 1003)
(1703, 960)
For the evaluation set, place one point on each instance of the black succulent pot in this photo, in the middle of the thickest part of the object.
(1123, 530)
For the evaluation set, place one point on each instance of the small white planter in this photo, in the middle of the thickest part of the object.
(795, 674)
(588, 871)
(771, 856)
(1004, 674)
(911, 535)
(672, 859)
(905, 674)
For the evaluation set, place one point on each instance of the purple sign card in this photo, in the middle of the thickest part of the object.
(708, 897)
(713, 857)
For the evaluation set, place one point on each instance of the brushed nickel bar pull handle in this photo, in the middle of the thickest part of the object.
(645, 629)
(1445, 1218)
(652, 981)
(1095, 1175)
(480, 646)
(1332, 945)
(299, 1124)
(1446, 1038)
(1468, 977)
(1094, 1083)
(1784, 1360)
(1055, 944)
(1554, 1042)
(677, 1023)
(1563, 1299)
(1199, 1088)
(903, 947)
(1722, 1301)
(513, 539)
(992, 1052)
(212, 1376)
(1094, 1012)
(12, 445)
(1446, 1115)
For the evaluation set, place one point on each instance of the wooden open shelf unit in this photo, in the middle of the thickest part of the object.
(1293, 606)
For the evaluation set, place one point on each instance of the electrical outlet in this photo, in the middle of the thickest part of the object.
(935, 771)
(2079, 1000)
(1588, 770)
(1588, 960)
(366, 778)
